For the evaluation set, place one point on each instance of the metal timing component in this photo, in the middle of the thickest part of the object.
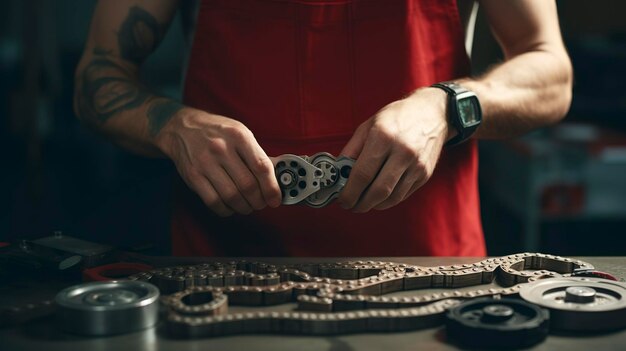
(497, 323)
(297, 178)
(335, 175)
(327, 294)
(198, 301)
(580, 304)
(314, 180)
(309, 323)
(105, 308)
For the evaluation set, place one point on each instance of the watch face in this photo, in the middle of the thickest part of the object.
(468, 111)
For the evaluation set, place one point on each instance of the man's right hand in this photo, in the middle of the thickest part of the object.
(221, 161)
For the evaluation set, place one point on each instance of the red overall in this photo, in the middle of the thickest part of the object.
(302, 75)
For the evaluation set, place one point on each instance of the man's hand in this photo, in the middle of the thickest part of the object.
(396, 151)
(221, 161)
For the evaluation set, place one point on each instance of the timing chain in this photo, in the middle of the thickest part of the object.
(335, 298)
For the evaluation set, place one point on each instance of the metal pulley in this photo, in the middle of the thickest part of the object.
(580, 304)
(105, 308)
(497, 323)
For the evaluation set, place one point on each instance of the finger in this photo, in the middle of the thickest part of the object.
(364, 170)
(403, 187)
(263, 170)
(414, 188)
(246, 182)
(418, 184)
(209, 196)
(355, 144)
(228, 191)
(384, 185)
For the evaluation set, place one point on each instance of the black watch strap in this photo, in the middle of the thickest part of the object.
(450, 87)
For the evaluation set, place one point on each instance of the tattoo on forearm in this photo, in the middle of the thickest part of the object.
(139, 35)
(160, 112)
(105, 89)
(107, 86)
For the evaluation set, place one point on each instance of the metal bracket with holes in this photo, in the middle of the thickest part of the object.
(312, 180)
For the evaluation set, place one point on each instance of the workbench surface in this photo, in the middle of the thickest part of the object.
(43, 334)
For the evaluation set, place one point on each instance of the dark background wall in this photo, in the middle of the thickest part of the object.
(565, 190)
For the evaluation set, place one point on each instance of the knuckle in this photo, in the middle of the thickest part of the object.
(217, 147)
(408, 152)
(382, 132)
(395, 198)
(238, 131)
(248, 185)
(364, 126)
(360, 175)
(231, 197)
(422, 169)
(212, 201)
(262, 166)
(381, 192)
(190, 174)
(193, 179)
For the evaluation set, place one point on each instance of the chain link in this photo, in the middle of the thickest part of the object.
(335, 298)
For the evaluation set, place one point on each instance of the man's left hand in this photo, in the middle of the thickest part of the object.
(396, 151)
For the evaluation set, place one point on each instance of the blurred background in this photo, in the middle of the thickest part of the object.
(560, 190)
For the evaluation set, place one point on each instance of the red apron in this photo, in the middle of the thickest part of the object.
(302, 75)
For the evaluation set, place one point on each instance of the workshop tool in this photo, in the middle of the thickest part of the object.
(57, 254)
(92, 254)
(580, 304)
(497, 323)
(312, 180)
(105, 308)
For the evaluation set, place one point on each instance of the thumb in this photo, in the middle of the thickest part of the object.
(355, 144)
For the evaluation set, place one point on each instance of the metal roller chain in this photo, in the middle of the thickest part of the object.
(335, 298)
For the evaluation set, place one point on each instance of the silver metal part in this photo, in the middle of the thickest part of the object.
(580, 304)
(104, 308)
(314, 180)
(333, 179)
(297, 178)
(344, 297)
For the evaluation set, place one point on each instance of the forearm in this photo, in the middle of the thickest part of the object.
(526, 92)
(532, 88)
(110, 99)
(108, 96)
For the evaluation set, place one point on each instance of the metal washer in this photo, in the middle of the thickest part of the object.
(105, 308)
(580, 304)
